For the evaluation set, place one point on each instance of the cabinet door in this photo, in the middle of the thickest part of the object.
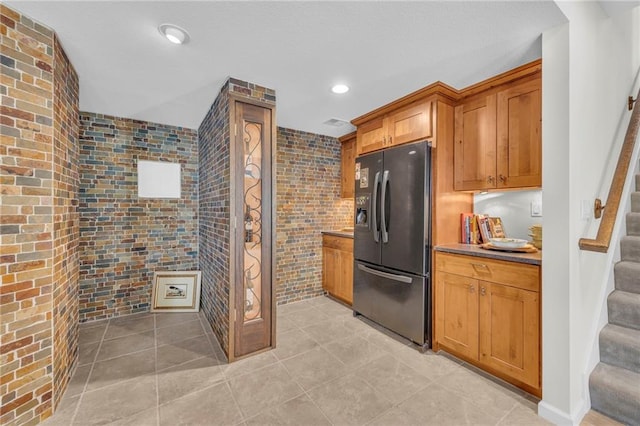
(410, 124)
(457, 313)
(329, 267)
(348, 164)
(344, 288)
(519, 141)
(372, 135)
(509, 331)
(475, 144)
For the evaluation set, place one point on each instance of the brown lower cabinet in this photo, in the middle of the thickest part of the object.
(337, 267)
(487, 312)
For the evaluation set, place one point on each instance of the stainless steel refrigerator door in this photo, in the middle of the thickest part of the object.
(366, 244)
(393, 299)
(405, 208)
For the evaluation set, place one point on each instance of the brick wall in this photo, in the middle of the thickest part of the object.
(66, 231)
(214, 143)
(214, 203)
(308, 193)
(123, 239)
(37, 80)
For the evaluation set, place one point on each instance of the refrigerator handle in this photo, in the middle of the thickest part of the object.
(383, 220)
(394, 277)
(374, 213)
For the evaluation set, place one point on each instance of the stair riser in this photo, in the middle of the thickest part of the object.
(635, 201)
(633, 224)
(630, 250)
(627, 278)
(616, 393)
(616, 353)
(625, 410)
(624, 313)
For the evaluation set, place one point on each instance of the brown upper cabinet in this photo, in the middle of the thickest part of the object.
(498, 141)
(347, 165)
(475, 143)
(408, 124)
(519, 135)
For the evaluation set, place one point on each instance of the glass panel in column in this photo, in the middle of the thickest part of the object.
(252, 220)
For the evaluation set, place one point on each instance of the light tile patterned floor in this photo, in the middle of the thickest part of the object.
(328, 368)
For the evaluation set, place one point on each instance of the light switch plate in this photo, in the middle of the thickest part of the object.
(536, 209)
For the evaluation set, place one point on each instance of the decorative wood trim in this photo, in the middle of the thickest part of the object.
(506, 77)
(347, 137)
(605, 230)
(447, 94)
(438, 90)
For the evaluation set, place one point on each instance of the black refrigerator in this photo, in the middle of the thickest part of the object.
(392, 240)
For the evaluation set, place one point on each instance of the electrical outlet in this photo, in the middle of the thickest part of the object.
(536, 209)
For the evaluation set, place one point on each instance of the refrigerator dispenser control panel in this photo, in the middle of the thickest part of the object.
(363, 207)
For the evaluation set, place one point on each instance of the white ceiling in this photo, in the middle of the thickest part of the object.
(383, 50)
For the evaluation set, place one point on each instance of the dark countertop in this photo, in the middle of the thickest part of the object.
(474, 250)
(340, 233)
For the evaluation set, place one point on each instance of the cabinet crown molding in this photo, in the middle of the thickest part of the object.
(443, 92)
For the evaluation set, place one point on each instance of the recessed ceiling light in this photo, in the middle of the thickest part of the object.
(174, 33)
(340, 88)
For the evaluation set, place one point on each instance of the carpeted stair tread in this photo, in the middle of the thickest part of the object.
(620, 346)
(624, 309)
(615, 392)
(635, 201)
(633, 223)
(627, 276)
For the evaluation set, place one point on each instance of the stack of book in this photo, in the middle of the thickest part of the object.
(479, 228)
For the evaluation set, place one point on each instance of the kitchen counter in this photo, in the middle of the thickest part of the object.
(345, 233)
(474, 250)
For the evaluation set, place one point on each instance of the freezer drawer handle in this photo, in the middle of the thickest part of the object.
(400, 278)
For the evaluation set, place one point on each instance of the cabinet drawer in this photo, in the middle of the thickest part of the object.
(513, 274)
(339, 243)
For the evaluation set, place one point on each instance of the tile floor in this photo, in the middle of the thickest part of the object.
(328, 368)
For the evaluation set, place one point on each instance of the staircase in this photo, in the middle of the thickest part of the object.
(615, 382)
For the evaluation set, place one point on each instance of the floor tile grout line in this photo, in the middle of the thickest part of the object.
(306, 393)
(86, 383)
(122, 355)
(235, 401)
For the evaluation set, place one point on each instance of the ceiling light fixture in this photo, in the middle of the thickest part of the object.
(340, 89)
(174, 33)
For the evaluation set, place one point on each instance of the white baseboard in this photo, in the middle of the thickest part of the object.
(559, 417)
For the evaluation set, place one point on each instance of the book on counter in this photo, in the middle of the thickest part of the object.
(479, 228)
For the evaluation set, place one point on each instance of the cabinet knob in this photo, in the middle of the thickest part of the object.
(390, 139)
(483, 291)
(503, 179)
(490, 179)
(472, 288)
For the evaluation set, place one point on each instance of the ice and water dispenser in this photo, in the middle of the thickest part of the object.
(363, 210)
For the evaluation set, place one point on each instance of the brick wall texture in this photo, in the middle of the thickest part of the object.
(308, 193)
(214, 212)
(123, 238)
(39, 90)
(66, 230)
